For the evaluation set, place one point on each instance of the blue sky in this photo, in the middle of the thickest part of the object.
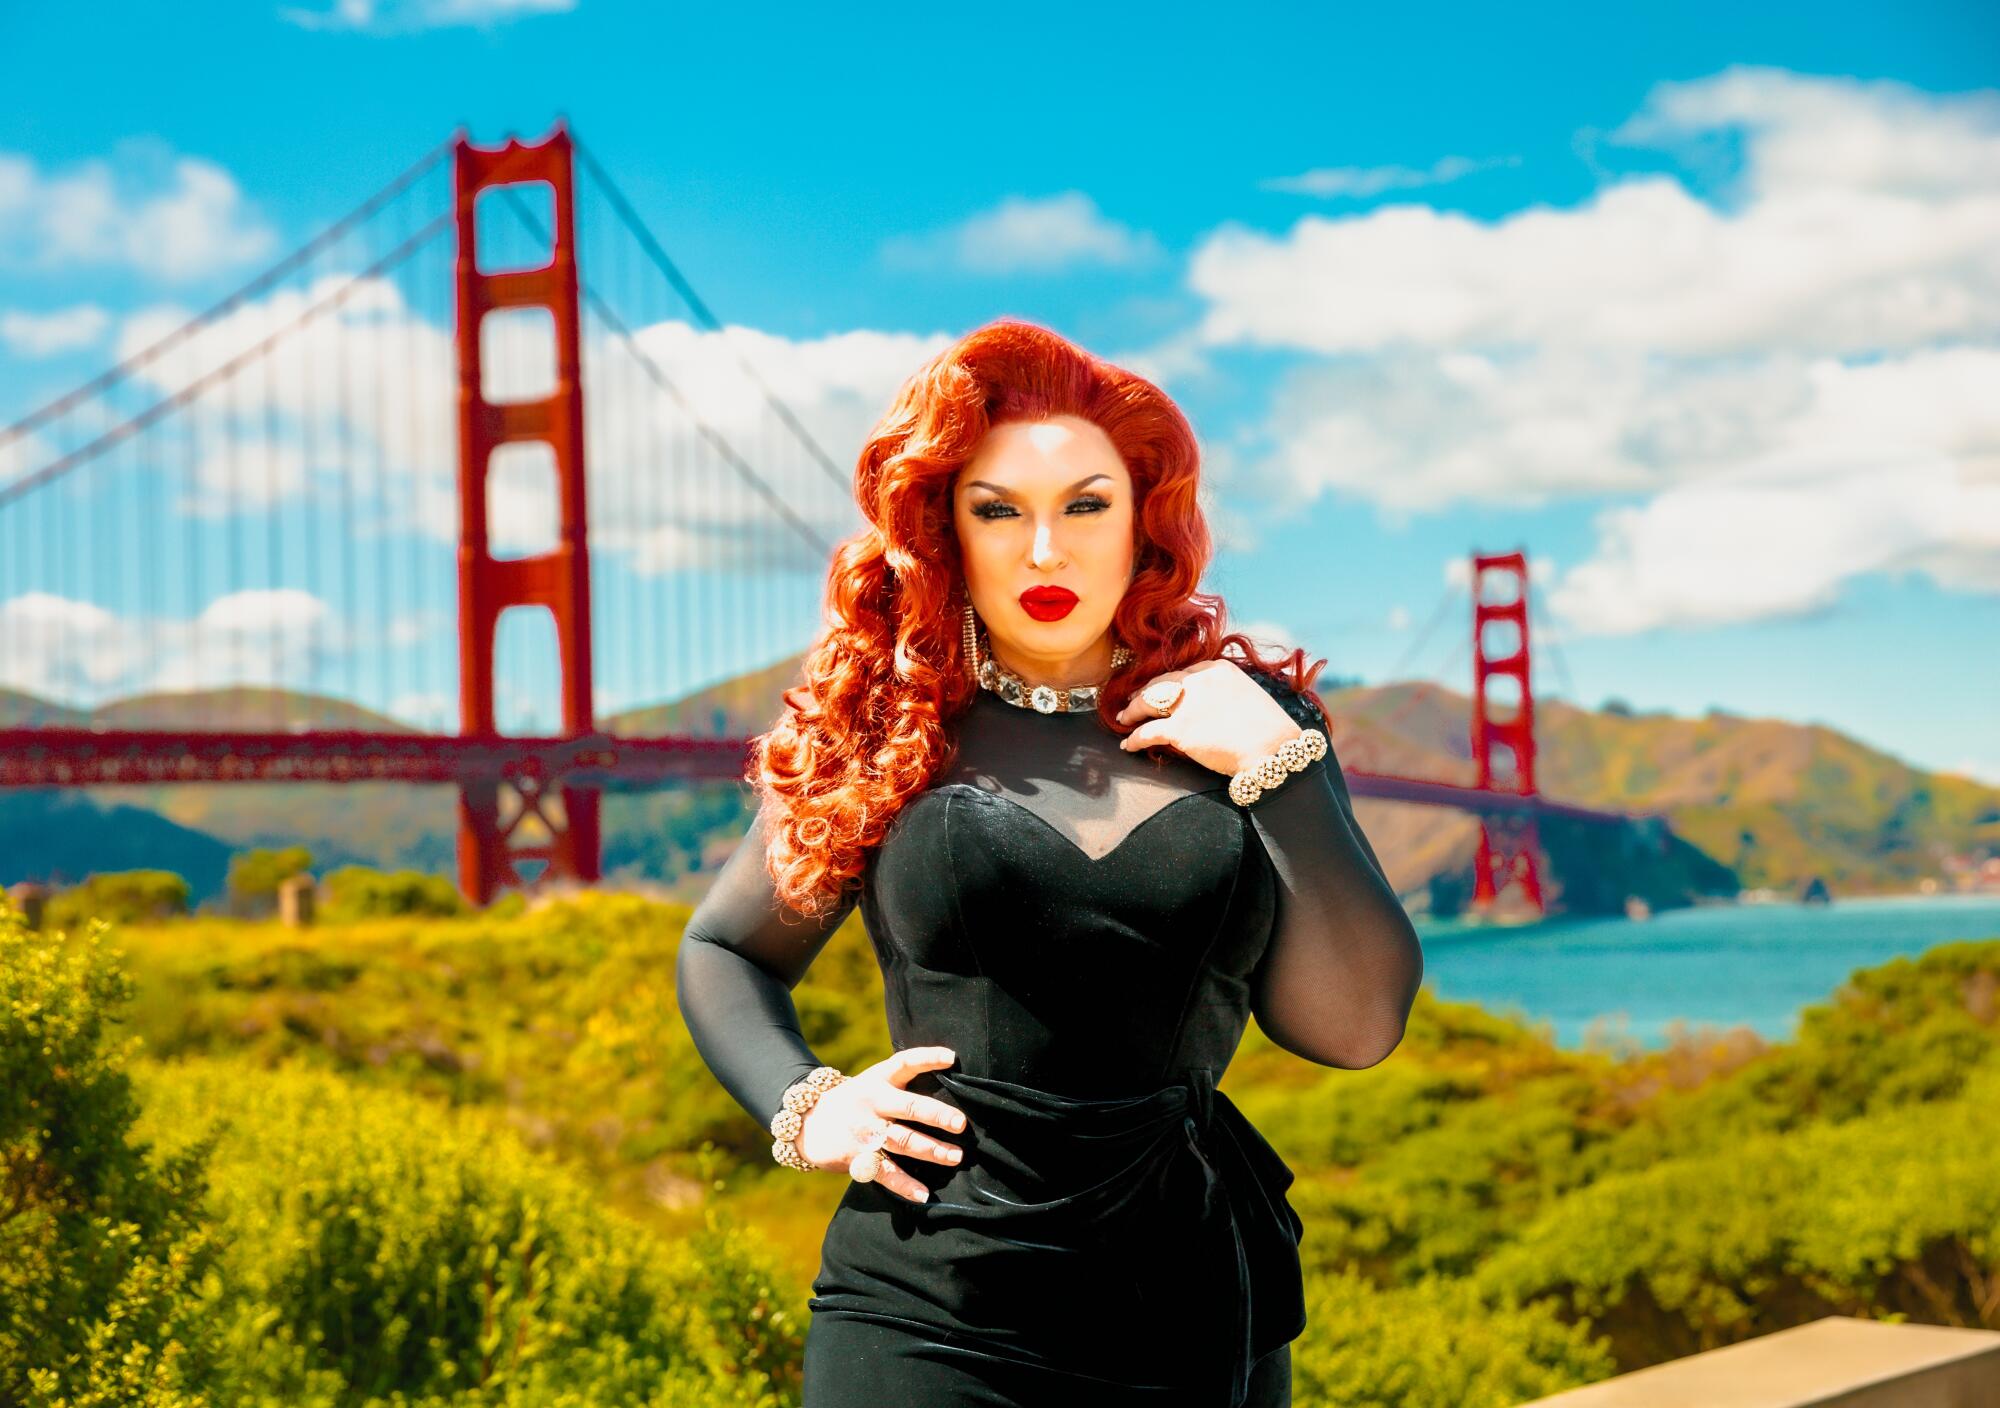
(1698, 303)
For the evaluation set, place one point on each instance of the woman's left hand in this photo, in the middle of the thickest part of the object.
(1224, 719)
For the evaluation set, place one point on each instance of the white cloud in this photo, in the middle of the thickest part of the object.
(432, 710)
(356, 401)
(362, 391)
(1831, 134)
(60, 648)
(1890, 467)
(81, 654)
(23, 455)
(1869, 218)
(1180, 357)
(49, 334)
(144, 209)
(244, 474)
(1645, 265)
(1803, 359)
(1363, 181)
(411, 16)
(1414, 432)
(1027, 235)
(665, 498)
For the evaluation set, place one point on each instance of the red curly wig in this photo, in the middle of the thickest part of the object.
(868, 728)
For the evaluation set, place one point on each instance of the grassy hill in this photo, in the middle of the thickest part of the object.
(63, 836)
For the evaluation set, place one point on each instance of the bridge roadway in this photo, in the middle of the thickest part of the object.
(79, 757)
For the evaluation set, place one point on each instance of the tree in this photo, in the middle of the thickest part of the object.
(254, 876)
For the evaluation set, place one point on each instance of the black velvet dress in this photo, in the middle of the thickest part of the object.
(1089, 930)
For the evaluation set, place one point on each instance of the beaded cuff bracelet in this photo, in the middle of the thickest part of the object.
(1257, 778)
(800, 1096)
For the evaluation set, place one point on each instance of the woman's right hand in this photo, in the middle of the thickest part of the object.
(851, 1117)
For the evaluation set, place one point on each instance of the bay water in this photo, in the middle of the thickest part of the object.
(1623, 982)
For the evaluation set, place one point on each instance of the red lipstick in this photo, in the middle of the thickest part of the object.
(1048, 603)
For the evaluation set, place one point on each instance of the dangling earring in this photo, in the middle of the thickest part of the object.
(971, 634)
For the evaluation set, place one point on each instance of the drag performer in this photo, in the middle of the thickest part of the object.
(1090, 835)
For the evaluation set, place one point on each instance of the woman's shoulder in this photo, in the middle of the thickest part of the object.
(1300, 705)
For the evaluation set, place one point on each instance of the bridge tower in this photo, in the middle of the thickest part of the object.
(1503, 726)
(492, 808)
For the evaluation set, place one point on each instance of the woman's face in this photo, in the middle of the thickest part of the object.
(1044, 517)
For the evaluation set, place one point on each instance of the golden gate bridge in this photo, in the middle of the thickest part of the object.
(388, 432)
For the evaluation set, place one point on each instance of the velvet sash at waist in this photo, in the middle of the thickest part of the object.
(1143, 1239)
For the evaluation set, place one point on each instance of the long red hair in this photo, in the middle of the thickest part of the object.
(867, 729)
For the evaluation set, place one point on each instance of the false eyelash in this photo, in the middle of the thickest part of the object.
(981, 511)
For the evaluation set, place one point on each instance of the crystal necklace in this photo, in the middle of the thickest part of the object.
(1044, 698)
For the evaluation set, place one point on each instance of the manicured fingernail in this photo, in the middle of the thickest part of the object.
(923, 1194)
(952, 1155)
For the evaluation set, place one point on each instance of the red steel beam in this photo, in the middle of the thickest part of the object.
(76, 757)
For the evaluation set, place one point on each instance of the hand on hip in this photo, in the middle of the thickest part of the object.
(855, 1127)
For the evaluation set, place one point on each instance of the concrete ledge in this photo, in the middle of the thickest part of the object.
(1841, 1360)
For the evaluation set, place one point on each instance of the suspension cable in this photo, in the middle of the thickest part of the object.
(667, 384)
(673, 275)
(260, 284)
(56, 469)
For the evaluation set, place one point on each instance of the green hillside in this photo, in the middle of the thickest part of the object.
(245, 707)
(61, 836)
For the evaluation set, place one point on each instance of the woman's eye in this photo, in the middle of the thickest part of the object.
(993, 508)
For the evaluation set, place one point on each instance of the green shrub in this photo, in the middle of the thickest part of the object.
(565, 1015)
(380, 1245)
(359, 892)
(121, 897)
(1896, 1214)
(254, 875)
(103, 1254)
(1433, 1344)
(1345, 1117)
(1443, 1197)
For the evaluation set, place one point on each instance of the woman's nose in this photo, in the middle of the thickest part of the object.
(1045, 552)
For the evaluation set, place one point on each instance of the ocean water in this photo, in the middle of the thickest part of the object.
(1626, 981)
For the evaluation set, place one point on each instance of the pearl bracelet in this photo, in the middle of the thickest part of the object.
(800, 1096)
(1255, 779)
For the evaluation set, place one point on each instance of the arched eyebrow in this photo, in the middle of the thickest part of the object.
(998, 489)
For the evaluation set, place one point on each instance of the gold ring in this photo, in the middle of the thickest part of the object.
(864, 1166)
(1164, 696)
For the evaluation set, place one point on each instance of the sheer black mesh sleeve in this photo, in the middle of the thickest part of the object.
(743, 953)
(1343, 965)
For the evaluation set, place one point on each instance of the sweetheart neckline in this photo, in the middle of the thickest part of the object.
(1064, 836)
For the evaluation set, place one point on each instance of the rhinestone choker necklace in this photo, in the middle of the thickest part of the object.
(1043, 698)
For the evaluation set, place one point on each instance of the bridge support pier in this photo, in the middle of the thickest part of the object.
(1503, 727)
(489, 857)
